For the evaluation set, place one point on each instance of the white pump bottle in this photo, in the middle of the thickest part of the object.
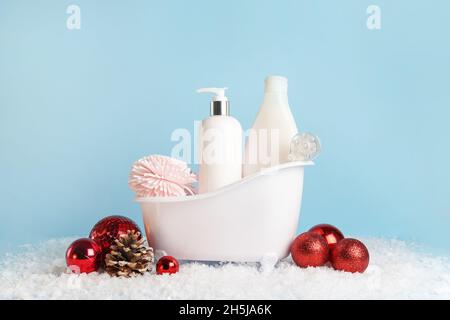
(220, 145)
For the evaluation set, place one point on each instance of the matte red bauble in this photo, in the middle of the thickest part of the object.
(167, 264)
(106, 230)
(309, 250)
(350, 255)
(331, 234)
(84, 256)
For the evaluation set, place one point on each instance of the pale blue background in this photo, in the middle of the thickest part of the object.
(78, 107)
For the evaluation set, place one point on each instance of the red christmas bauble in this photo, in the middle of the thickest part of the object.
(309, 250)
(110, 228)
(167, 264)
(84, 256)
(350, 255)
(331, 234)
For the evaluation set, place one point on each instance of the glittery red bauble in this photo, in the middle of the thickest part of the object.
(106, 230)
(84, 255)
(309, 250)
(167, 264)
(331, 234)
(350, 255)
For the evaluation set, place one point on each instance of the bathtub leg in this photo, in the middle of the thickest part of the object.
(159, 254)
(268, 262)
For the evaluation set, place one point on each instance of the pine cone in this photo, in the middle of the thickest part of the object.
(129, 256)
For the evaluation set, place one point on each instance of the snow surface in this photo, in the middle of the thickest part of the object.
(396, 271)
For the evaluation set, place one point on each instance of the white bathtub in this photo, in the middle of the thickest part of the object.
(252, 220)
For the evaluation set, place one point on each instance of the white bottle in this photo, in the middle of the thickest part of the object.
(269, 139)
(220, 145)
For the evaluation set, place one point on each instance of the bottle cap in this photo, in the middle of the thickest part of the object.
(276, 84)
(220, 105)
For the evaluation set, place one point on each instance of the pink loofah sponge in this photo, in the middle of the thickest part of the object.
(161, 176)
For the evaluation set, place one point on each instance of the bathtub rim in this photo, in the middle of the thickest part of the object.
(266, 171)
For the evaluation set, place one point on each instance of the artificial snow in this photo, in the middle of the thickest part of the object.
(396, 271)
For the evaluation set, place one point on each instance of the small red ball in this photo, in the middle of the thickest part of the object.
(331, 234)
(167, 264)
(350, 255)
(84, 256)
(110, 228)
(309, 250)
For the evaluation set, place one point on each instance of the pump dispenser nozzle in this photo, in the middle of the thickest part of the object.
(219, 104)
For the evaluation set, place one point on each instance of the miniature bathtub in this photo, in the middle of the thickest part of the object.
(252, 220)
